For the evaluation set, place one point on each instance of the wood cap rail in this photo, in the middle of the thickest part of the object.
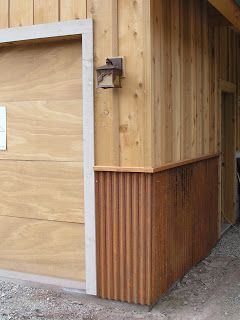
(157, 169)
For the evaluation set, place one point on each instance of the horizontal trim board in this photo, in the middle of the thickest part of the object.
(154, 170)
(44, 31)
(228, 9)
(227, 86)
(123, 169)
(3, 128)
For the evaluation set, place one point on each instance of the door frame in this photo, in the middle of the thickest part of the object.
(81, 30)
(228, 88)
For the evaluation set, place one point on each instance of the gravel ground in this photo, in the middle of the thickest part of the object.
(229, 245)
(210, 291)
(24, 302)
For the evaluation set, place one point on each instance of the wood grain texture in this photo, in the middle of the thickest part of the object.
(184, 99)
(44, 130)
(238, 96)
(42, 190)
(29, 12)
(42, 247)
(176, 52)
(229, 9)
(101, 13)
(123, 118)
(157, 169)
(4, 23)
(73, 9)
(135, 99)
(21, 13)
(46, 11)
(227, 86)
(47, 71)
(186, 104)
(41, 89)
(228, 158)
(160, 225)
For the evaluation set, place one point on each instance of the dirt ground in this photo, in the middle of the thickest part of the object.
(210, 291)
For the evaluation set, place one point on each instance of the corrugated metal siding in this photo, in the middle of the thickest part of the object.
(186, 219)
(124, 233)
(152, 228)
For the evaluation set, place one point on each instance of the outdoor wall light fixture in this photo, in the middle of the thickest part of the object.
(109, 75)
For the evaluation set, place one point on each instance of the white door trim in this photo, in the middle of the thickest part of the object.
(3, 129)
(82, 29)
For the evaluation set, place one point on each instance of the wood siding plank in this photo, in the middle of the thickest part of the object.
(101, 13)
(190, 55)
(176, 79)
(135, 105)
(46, 11)
(21, 13)
(186, 132)
(73, 9)
(4, 14)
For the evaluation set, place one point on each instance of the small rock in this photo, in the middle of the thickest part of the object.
(77, 302)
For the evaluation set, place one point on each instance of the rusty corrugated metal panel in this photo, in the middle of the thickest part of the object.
(152, 228)
(123, 202)
(186, 215)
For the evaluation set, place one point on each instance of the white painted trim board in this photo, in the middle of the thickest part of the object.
(3, 129)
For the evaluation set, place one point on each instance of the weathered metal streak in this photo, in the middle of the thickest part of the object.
(185, 217)
(152, 228)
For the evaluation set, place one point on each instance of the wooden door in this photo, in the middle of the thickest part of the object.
(41, 172)
(228, 158)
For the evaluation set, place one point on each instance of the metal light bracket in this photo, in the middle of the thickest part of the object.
(120, 63)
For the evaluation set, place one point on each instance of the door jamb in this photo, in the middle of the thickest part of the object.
(230, 88)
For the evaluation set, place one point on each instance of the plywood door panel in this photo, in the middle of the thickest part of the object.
(42, 190)
(41, 185)
(42, 247)
(44, 130)
(49, 71)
